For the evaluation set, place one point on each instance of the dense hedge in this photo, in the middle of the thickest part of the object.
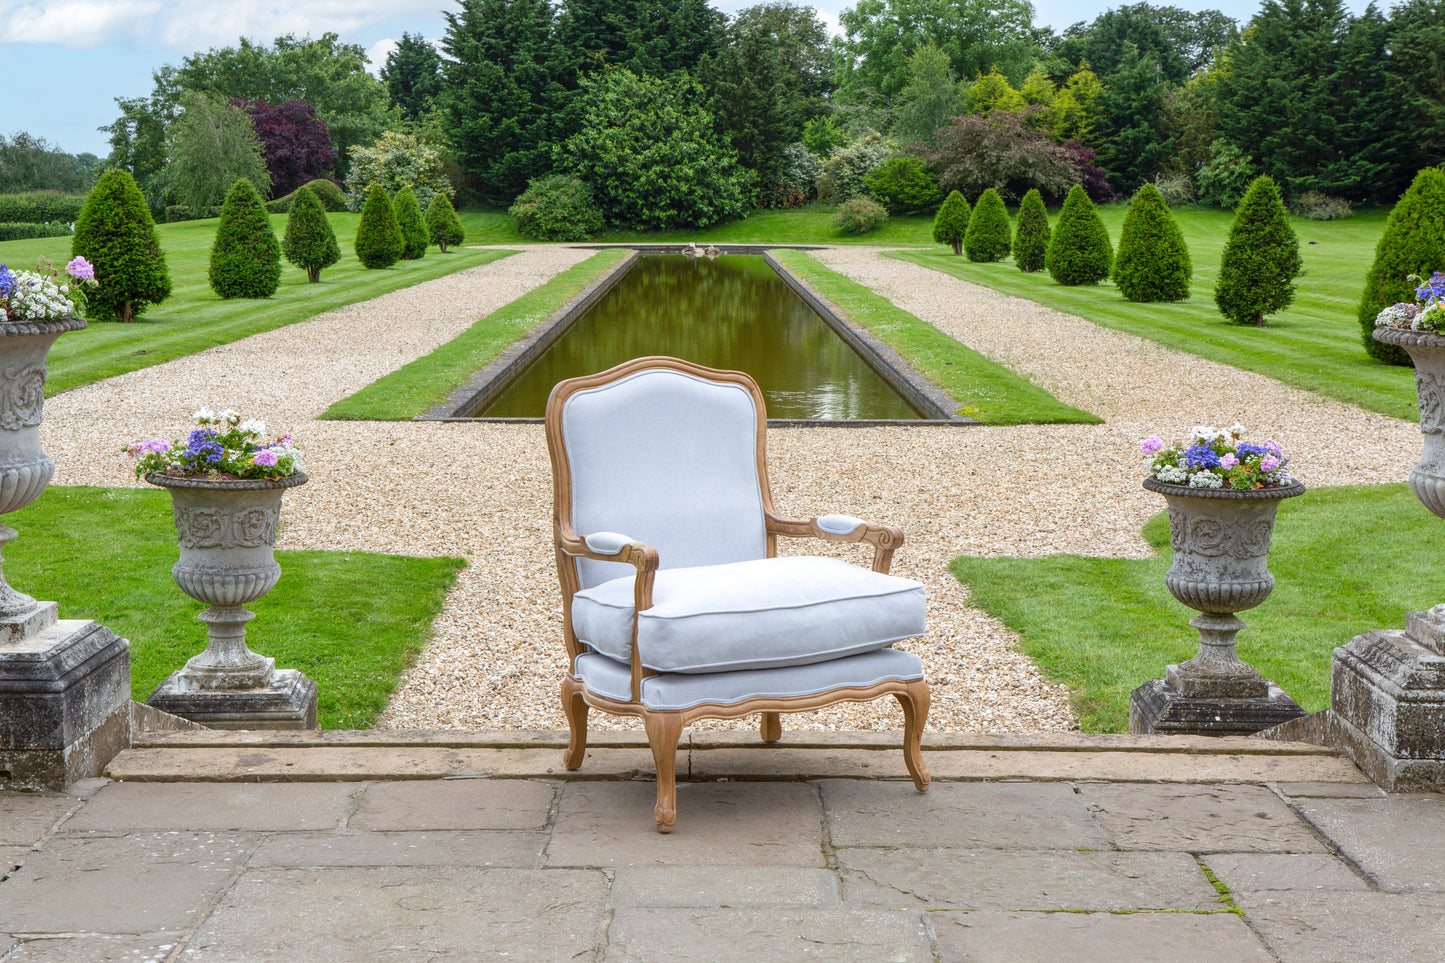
(558, 207)
(378, 237)
(1261, 258)
(1031, 235)
(1413, 243)
(442, 224)
(1153, 262)
(950, 224)
(40, 207)
(332, 198)
(115, 233)
(246, 257)
(26, 232)
(987, 237)
(1079, 251)
(414, 238)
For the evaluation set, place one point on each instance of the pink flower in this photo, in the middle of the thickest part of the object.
(1152, 445)
(1274, 446)
(266, 458)
(80, 269)
(1268, 462)
(151, 446)
(1228, 461)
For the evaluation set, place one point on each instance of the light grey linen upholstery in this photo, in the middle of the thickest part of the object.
(674, 692)
(607, 543)
(839, 524)
(670, 459)
(756, 614)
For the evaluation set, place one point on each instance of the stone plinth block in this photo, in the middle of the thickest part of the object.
(287, 702)
(1157, 708)
(1387, 690)
(64, 704)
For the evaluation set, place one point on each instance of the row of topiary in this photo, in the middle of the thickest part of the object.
(1260, 262)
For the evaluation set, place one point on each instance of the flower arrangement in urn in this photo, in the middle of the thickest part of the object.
(223, 445)
(1427, 315)
(1211, 458)
(41, 295)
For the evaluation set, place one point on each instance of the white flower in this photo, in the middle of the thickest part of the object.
(1203, 433)
(1236, 430)
(1172, 475)
(1205, 479)
(204, 416)
(254, 427)
(230, 416)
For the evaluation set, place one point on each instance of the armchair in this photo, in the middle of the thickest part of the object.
(675, 603)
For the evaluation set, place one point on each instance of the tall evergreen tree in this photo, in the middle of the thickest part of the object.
(1031, 234)
(749, 85)
(310, 243)
(1413, 243)
(412, 74)
(115, 233)
(648, 37)
(504, 101)
(1417, 69)
(245, 257)
(1131, 146)
(1153, 262)
(950, 224)
(1261, 258)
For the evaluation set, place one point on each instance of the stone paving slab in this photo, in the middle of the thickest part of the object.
(358, 915)
(95, 949)
(26, 817)
(718, 824)
(1349, 927)
(728, 936)
(125, 807)
(962, 815)
(1328, 790)
(1198, 818)
(137, 883)
(936, 879)
(455, 804)
(10, 857)
(1260, 872)
(521, 850)
(1094, 938)
(723, 886)
(1140, 767)
(1398, 841)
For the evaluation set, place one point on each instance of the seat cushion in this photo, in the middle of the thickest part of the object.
(613, 680)
(757, 614)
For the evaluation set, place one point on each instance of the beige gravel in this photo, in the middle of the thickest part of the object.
(483, 490)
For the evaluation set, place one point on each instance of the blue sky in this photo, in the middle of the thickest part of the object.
(62, 62)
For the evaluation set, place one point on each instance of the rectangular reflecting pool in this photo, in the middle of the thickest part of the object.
(733, 313)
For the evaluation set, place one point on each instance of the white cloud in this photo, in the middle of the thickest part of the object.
(377, 54)
(79, 23)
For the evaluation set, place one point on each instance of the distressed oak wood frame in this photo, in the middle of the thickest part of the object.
(664, 728)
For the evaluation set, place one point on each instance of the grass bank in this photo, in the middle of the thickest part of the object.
(193, 318)
(352, 621)
(1344, 560)
(416, 387)
(989, 392)
(1314, 344)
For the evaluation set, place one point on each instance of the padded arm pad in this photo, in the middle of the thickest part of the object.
(606, 543)
(839, 524)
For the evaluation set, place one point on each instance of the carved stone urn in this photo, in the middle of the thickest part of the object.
(1220, 539)
(227, 533)
(1387, 686)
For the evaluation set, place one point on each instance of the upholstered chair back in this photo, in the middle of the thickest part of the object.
(669, 459)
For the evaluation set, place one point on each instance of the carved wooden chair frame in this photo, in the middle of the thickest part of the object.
(664, 728)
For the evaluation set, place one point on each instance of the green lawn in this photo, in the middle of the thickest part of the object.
(352, 621)
(988, 392)
(1344, 560)
(417, 386)
(1314, 344)
(193, 318)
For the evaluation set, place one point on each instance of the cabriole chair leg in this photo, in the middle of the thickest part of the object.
(663, 731)
(770, 726)
(915, 713)
(574, 707)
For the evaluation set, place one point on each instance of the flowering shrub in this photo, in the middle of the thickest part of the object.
(1428, 315)
(40, 295)
(1218, 459)
(221, 446)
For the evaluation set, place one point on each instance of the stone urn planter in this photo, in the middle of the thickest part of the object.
(1427, 351)
(226, 529)
(1220, 539)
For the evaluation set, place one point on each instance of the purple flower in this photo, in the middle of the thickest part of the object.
(1200, 455)
(1275, 447)
(1245, 450)
(7, 281)
(1228, 461)
(266, 458)
(1152, 445)
(1268, 463)
(80, 269)
(203, 447)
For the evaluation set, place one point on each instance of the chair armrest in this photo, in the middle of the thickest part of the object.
(885, 539)
(612, 547)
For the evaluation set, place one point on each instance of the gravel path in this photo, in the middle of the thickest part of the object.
(483, 490)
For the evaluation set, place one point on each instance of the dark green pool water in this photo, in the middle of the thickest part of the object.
(733, 313)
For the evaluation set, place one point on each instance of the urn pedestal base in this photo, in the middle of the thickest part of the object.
(64, 700)
(1158, 708)
(287, 702)
(1387, 690)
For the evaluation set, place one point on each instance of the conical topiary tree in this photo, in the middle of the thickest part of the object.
(1261, 258)
(987, 237)
(442, 224)
(310, 244)
(1079, 251)
(950, 224)
(413, 229)
(1153, 263)
(1031, 235)
(378, 238)
(1413, 243)
(245, 257)
(115, 233)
